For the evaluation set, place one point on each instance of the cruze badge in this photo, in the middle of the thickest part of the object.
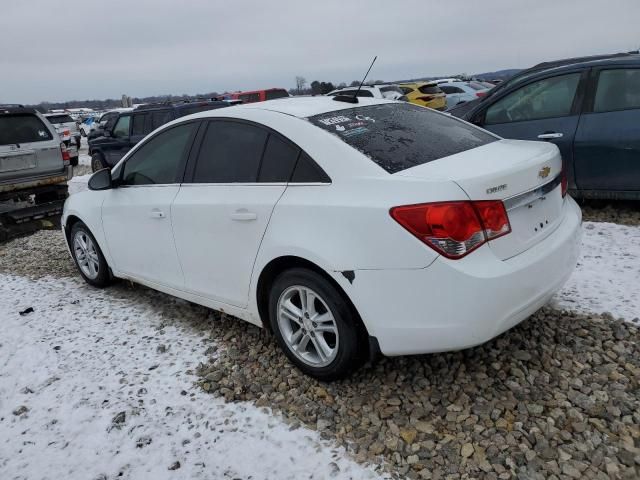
(497, 188)
(544, 172)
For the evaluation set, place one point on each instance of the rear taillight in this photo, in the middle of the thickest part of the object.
(563, 182)
(66, 158)
(480, 94)
(454, 229)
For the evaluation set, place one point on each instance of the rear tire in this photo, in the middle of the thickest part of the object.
(97, 162)
(88, 257)
(315, 325)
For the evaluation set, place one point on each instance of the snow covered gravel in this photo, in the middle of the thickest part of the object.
(99, 384)
(107, 384)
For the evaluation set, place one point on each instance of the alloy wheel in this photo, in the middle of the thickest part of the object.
(308, 326)
(86, 254)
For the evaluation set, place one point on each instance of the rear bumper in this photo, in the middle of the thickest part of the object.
(39, 181)
(455, 304)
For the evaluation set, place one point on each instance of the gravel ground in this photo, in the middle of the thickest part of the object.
(623, 213)
(556, 397)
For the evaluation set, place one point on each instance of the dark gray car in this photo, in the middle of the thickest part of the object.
(589, 107)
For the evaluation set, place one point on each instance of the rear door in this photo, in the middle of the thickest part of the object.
(28, 147)
(223, 208)
(607, 143)
(544, 109)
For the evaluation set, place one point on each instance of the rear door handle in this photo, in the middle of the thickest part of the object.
(243, 216)
(550, 135)
(155, 213)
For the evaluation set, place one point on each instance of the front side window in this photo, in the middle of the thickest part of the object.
(122, 127)
(399, 136)
(230, 153)
(617, 89)
(22, 128)
(249, 97)
(157, 160)
(547, 98)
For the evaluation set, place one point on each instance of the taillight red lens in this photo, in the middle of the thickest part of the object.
(66, 158)
(454, 229)
(480, 94)
(493, 217)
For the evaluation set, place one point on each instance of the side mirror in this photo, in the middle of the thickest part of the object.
(101, 180)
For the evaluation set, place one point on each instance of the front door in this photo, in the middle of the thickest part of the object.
(545, 109)
(607, 144)
(136, 215)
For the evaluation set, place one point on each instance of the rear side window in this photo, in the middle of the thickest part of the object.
(271, 94)
(60, 119)
(400, 136)
(138, 124)
(308, 171)
(429, 89)
(160, 118)
(278, 160)
(447, 89)
(249, 97)
(617, 90)
(230, 153)
(22, 128)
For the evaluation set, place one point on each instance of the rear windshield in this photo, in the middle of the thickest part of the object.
(60, 119)
(271, 94)
(399, 136)
(22, 128)
(477, 86)
(432, 89)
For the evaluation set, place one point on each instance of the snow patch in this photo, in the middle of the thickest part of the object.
(607, 274)
(98, 382)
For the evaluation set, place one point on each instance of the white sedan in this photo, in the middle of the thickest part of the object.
(347, 229)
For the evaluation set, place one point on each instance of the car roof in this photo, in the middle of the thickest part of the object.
(421, 83)
(300, 107)
(8, 109)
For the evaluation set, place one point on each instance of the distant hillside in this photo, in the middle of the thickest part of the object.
(498, 75)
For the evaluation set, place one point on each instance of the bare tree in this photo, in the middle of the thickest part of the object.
(301, 82)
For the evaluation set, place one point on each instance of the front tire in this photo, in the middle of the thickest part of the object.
(88, 257)
(315, 325)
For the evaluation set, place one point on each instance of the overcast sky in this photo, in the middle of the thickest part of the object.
(65, 50)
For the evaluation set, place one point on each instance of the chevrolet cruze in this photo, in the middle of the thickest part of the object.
(346, 226)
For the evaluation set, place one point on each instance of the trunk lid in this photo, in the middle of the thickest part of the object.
(524, 175)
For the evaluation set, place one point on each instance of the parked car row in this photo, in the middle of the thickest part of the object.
(436, 94)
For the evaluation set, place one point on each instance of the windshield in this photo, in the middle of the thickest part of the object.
(399, 136)
(60, 119)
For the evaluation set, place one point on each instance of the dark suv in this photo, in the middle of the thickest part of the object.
(589, 107)
(123, 132)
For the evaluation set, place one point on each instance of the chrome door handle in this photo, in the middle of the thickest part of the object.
(157, 214)
(243, 216)
(550, 135)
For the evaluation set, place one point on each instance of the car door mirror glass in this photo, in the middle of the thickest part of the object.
(101, 180)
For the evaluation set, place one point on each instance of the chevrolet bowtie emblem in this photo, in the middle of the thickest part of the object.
(544, 172)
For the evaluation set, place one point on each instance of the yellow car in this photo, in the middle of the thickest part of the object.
(425, 94)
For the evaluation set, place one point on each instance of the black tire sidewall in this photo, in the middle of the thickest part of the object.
(104, 276)
(349, 349)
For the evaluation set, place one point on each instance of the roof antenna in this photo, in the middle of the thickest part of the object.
(354, 99)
